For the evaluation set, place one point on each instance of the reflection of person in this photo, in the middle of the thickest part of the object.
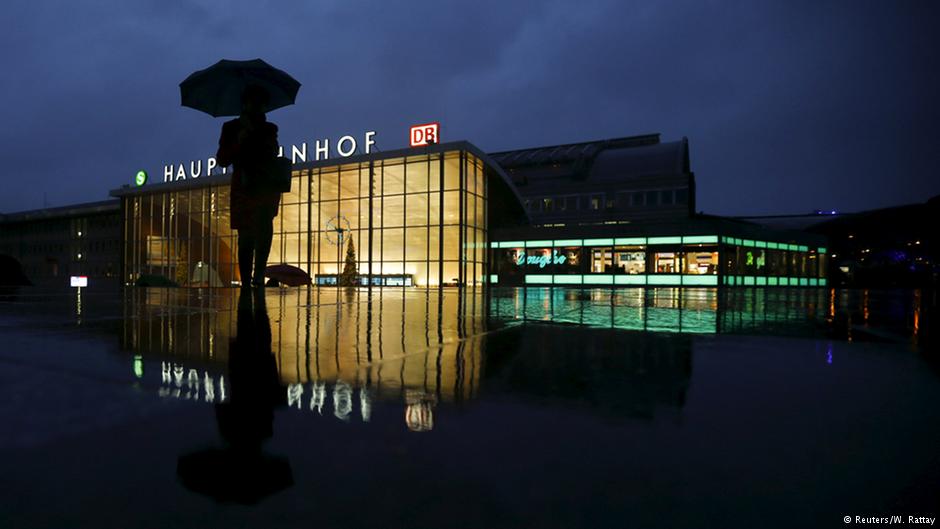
(240, 470)
(245, 421)
(248, 143)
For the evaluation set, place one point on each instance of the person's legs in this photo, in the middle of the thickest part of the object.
(246, 250)
(264, 234)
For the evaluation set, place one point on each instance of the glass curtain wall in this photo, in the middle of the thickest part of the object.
(749, 262)
(693, 260)
(181, 236)
(413, 221)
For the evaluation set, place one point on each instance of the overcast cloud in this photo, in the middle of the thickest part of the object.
(788, 106)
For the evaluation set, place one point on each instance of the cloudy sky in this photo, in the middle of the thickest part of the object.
(789, 106)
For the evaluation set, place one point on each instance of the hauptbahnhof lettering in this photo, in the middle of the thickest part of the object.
(617, 212)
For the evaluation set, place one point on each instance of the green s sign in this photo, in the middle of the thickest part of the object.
(141, 178)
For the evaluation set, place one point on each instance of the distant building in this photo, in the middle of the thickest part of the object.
(622, 212)
(885, 247)
(630, 179)
(53, 244)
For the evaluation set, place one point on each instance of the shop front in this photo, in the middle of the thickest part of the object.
(661, 260)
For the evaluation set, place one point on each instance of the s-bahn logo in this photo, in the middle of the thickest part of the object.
(425, 134)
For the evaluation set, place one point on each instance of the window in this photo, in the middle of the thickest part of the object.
(630, 260)
(595, 202)
(548, 204)
(567, 260)
(665, 196)
(601, 260)
(609, 203)
(638, 199)
(666, 263)
(158, 253)
(701, 262)
(755, 261)
(682, 196)
(652, 198)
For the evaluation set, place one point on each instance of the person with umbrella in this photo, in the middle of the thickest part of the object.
(249, 143)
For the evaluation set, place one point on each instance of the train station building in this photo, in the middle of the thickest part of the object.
(617, 212)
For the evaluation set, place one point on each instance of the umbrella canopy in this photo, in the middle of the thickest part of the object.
(287, 274)
(217, 90)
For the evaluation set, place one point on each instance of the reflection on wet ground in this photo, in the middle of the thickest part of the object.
(506, 408)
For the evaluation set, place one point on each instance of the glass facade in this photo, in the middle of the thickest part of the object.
(409, 221)
(754, 262)
(183, 236)
(687, 260)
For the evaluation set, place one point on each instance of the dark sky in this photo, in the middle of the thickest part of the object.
(788, 106)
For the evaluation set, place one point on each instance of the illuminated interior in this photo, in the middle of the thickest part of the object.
(411, 221)
(691, 260)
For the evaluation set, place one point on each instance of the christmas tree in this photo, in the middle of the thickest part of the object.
(350, 275)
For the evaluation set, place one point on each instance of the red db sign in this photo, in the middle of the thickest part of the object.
(425, 134)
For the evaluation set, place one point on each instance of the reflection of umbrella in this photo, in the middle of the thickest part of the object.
(217, 90)
(229, 475)
(287, 274)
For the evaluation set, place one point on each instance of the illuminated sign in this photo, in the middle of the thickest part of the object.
(345, 147)
(141, 178)
(425, 134)
(761, 259)
(540, 259)
(78, 281)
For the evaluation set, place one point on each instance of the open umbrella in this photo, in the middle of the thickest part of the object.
(287, 274)
(217, 90)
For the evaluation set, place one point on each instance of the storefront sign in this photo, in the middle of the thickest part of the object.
(140, 178)
(78, 281)
(540, 259)
(426, 134)
(760, 259)
(345, 147)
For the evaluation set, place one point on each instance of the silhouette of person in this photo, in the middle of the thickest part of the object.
(248, 143)
(245, 421)
(241, 471)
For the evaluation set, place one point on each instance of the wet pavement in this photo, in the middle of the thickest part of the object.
(513, 408)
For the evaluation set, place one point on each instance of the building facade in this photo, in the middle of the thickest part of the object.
(697, 252)
(54, 244)
(416, 217)
(619, 180)
(617, 212)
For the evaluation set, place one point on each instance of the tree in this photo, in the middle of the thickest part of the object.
(350, 275)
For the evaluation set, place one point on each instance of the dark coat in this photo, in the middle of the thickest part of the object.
(247, 156)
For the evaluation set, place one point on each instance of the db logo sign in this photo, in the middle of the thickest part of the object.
(425, 134)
